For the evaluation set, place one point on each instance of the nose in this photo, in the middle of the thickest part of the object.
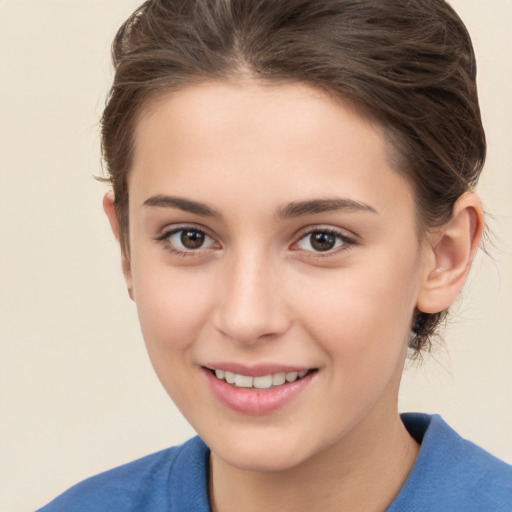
(251, 307)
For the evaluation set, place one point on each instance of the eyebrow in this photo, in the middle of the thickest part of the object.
(314, 206)
(180, 203)
(291, 210)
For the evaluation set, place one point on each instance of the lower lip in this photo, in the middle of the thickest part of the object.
(256, 401)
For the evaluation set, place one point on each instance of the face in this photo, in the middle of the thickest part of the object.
(276, 268)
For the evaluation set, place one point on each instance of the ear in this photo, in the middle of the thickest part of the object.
(110, 211)
(451, 252)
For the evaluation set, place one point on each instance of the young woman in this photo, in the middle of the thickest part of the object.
(293, 193)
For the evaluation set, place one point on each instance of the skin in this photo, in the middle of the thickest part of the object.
(257, 292)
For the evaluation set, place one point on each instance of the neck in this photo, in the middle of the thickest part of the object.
(362, 472)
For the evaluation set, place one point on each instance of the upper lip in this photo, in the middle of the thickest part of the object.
(257, 370)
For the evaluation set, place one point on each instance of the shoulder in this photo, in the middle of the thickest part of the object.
(153, 483)
(452, 473)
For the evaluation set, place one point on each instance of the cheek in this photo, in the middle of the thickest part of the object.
(173, 307)
(362, 312)
(173, 310)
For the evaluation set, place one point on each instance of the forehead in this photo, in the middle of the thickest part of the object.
(266, 140)
(283, 108)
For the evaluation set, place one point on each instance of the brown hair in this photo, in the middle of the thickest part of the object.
(408, 63)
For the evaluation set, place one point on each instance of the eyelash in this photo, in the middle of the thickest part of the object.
(164, 239)
(346, 242)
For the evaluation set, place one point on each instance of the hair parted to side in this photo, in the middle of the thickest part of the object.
(409, 64)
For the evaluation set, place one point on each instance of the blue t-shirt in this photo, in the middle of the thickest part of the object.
(449, 475)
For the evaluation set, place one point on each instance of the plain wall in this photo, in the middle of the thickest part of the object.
(77, 392)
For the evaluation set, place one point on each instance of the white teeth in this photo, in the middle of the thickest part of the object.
(264, 382)
(278, 379)
(292, 376)
(243, 381)
(261, 382)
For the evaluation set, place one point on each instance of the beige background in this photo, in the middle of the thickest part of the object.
(77, 393)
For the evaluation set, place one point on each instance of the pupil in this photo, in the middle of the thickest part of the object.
(323, 241)
(192, 239)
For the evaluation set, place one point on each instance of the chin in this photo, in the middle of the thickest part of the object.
(261, 461)
(267, 453)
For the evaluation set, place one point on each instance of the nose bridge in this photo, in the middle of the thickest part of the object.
(252, 306)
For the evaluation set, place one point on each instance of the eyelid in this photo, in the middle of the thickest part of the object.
(168, 231)
(181, 226)
(348, 240)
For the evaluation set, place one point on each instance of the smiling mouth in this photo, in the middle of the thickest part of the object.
(261, 382)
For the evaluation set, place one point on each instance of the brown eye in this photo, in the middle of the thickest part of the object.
(192, 239)
(323, 241)
(185, 240)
